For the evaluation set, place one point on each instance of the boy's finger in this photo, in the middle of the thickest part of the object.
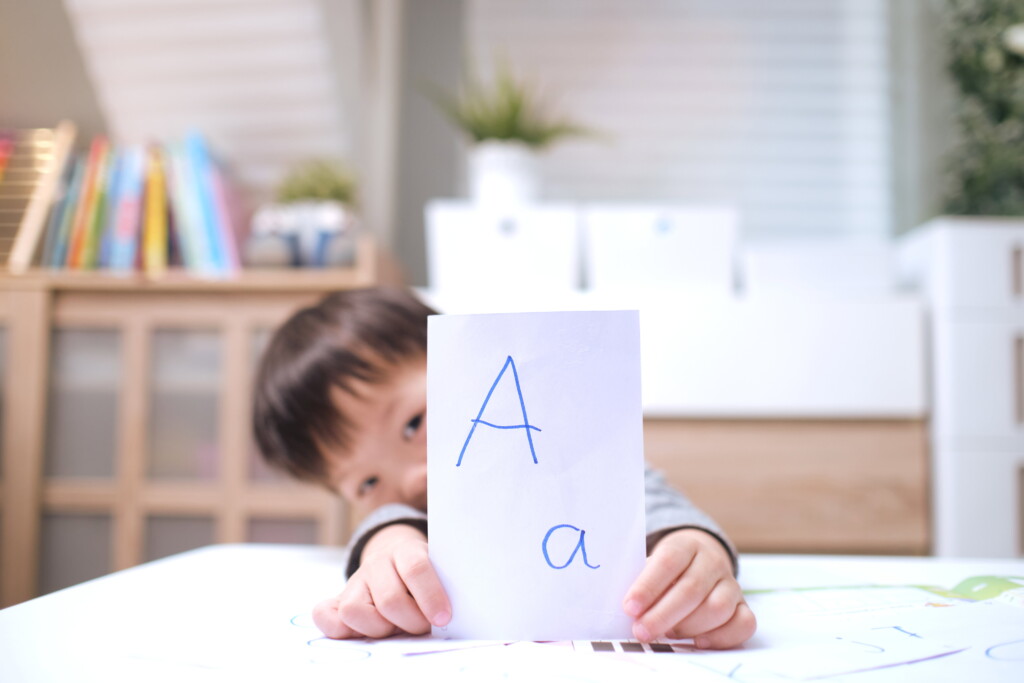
(423, 583)
(359, 613)
(714, 611)
(328, 620)
(391, 598)
(664, 566)
(733, 633)
(678, 603)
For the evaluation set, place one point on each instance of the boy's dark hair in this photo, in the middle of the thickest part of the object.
(346, 337)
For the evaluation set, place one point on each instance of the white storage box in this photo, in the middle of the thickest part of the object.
(657, 247)
(529, 247)
(967, 261)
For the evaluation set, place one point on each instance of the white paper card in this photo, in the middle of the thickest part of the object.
(535, 472)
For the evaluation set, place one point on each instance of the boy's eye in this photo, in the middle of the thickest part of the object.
(412, 426)
(367, 486)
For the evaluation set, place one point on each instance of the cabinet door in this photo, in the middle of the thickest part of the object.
(978, 379)
(978, 502)
(82, 403)
(82, 419)
(185, 375)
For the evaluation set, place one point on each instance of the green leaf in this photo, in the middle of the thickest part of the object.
(507, 109)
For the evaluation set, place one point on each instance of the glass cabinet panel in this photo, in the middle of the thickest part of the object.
(166, 535)
(73, 548)
(184, 406)
(82, 404)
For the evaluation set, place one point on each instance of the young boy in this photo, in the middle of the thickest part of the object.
(341, 400)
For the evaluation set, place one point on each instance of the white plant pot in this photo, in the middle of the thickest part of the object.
(503, 174)
(306, 233)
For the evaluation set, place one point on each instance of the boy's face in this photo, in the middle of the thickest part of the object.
(387, 460)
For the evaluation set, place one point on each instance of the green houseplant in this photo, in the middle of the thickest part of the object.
(986, 62)
(507, 122)
(318, 180)
(506, 109)
(311, 223)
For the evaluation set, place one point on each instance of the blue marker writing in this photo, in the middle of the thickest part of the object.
(522, 404)
(581, 545)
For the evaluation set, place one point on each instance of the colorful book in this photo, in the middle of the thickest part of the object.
(155, 218)
(224, 205)
(63, 203)
(106, 179)
(221, 257)
(127, 215)
(110, 200)
(58, 255)
(6, 150)
(187, 214)
(87, 201)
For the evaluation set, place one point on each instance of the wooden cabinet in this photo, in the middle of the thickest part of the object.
(790, 485)
(126, 421)
(970, 270)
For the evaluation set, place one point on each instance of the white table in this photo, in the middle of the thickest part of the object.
(241, 612)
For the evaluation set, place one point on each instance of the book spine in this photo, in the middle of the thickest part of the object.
(63, 200)
(6, 150)
(89, 257)
(186, 221)
(86, 202)
(155, 237)
(103, 230)
(224, 205)
(199, 163)
(127, 222)
(59, 255)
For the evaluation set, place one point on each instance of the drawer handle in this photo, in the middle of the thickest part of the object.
(1018, 376)
(1018, 271)
(1020, 509)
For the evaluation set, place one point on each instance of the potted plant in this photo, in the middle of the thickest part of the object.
(969, 267)
(986, 61)
(508, 124)
(311, 223)
(984, 196)
(502, 239)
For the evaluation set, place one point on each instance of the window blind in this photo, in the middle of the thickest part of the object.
(255, 76)
(780, 108)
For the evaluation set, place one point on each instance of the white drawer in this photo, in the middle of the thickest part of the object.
(723, 357)
(531, 248)
(976, 503)
(966, 262)
(645, 246)
(978, 378)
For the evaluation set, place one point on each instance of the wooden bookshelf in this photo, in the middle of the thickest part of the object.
(371, 267)
(136, 314)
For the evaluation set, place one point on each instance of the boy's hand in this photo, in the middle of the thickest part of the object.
(687, 590)
(395, 589)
